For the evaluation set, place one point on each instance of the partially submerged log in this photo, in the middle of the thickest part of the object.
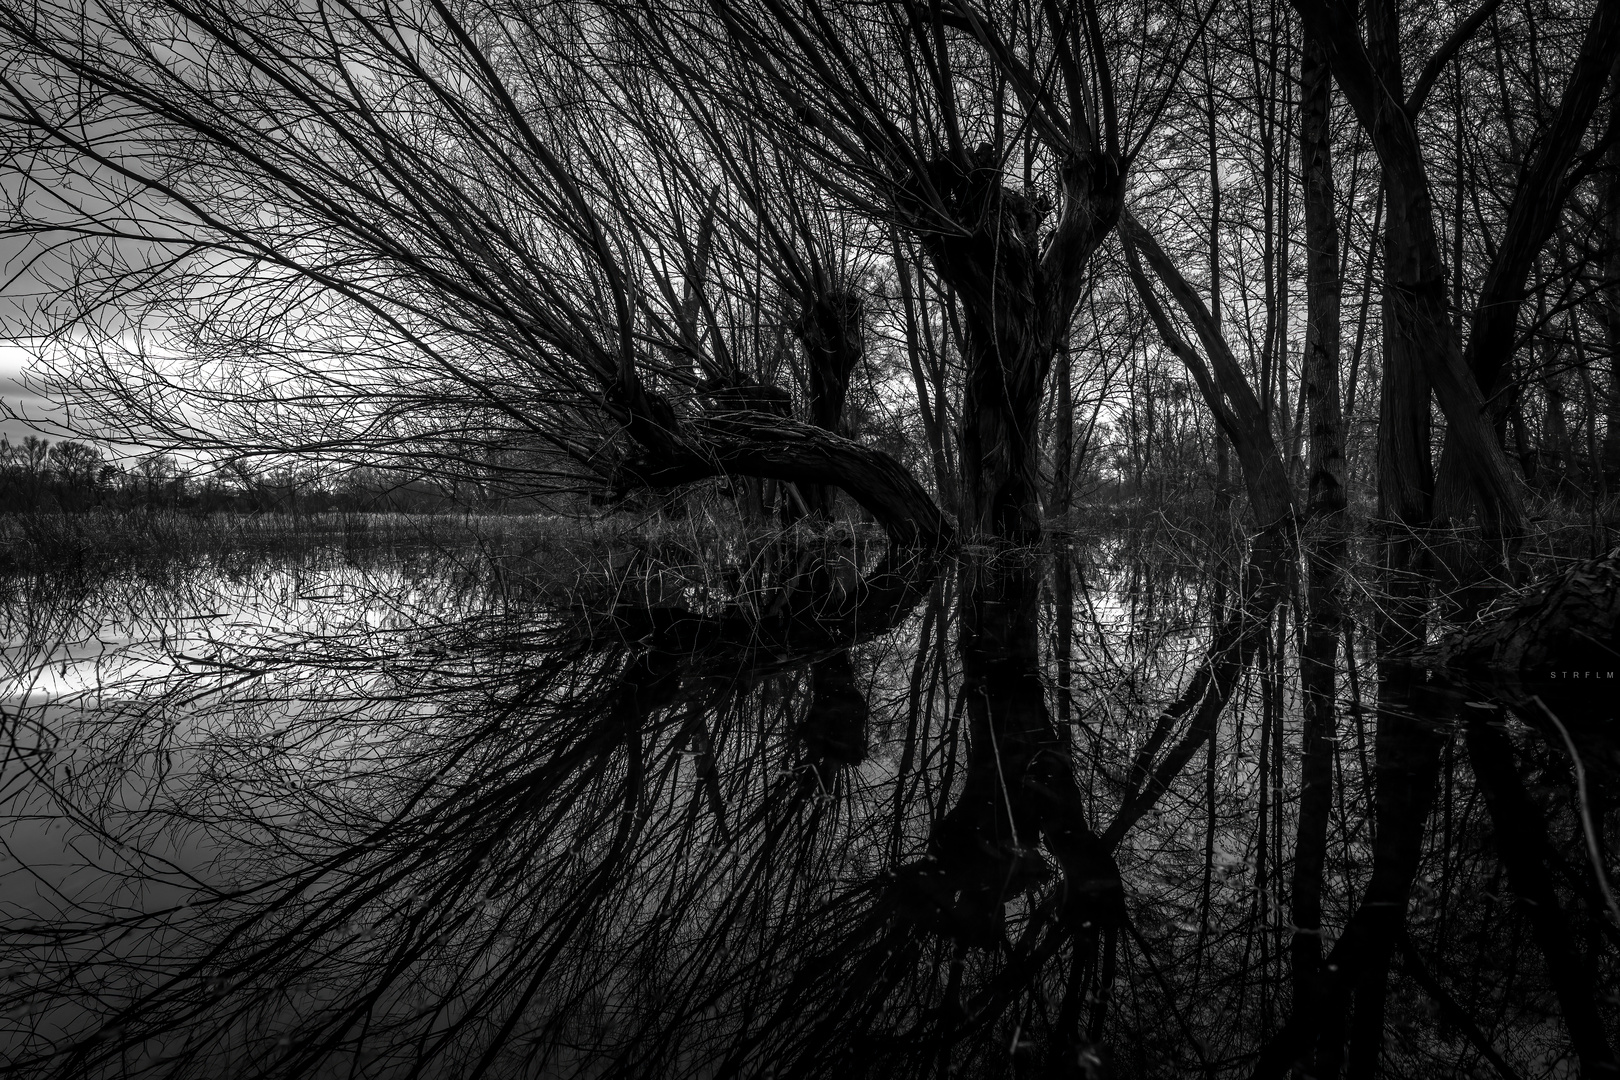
(1564, 624)
(1550, 656)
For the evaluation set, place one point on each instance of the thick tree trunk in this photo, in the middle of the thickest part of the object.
(1405, 472)
(1000, 440)
(766, 445)
(1326, 541)
(830, 329)
(1538, 200)
(1480, 371)
(1566, 623)
(1407, 755)
(1018, 287)
(1417, 314)
(1058, 502)
(1019, 793)
(1019, 784)
(1611, 278)
(1417, 317)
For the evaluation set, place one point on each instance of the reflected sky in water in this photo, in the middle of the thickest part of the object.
(765, 810)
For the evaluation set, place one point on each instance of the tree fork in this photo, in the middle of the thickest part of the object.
(1417, 307)
(830, 329)
(1018, 295)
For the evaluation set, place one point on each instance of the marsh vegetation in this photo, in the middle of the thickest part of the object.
(545, 806)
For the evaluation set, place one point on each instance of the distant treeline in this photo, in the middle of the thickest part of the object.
(37, 474)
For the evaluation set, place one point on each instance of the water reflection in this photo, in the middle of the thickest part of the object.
(774, 810)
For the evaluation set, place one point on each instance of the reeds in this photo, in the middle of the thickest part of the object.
(38, 541)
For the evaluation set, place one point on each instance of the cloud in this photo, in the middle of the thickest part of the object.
(35, 415)
(48, 416)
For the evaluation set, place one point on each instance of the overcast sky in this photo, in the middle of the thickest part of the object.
(17, 397)
(19, 293)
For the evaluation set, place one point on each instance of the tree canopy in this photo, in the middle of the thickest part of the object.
(633, 245)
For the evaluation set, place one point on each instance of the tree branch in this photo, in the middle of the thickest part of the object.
(1448, 49)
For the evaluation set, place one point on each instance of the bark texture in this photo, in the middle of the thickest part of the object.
(1565, 623)
(829, 328)
(1417, 311)
(1018, 286)
(1326, 538)
(1611, 276)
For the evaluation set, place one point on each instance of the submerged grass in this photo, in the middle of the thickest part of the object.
(33, 541)
(707, 552)
(54, 536)
(697, 561)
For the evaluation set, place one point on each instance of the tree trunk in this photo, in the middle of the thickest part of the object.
(1063, 446)
(1538, 200)
(1407, 755)
(1417, 317)
(1018, 286)
(1565, 623)
(1611, 280)
(1405, 474)
(1018, 793)
(1222, 383)
(1326, 542)
(830, 329)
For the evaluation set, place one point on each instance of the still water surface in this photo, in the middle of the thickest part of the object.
(759, 811)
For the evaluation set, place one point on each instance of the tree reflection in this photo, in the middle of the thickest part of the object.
(806, 819)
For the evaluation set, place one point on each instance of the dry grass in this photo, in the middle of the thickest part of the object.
(701, 559)
(38, 540)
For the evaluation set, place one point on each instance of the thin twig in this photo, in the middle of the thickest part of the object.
(1586, 812)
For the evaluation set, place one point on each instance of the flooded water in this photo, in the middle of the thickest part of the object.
(767, 811)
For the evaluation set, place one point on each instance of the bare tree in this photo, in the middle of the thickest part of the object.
(968, 128)
(375, 227)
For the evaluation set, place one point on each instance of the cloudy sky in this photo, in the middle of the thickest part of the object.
(17, 397)
(20, 292)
